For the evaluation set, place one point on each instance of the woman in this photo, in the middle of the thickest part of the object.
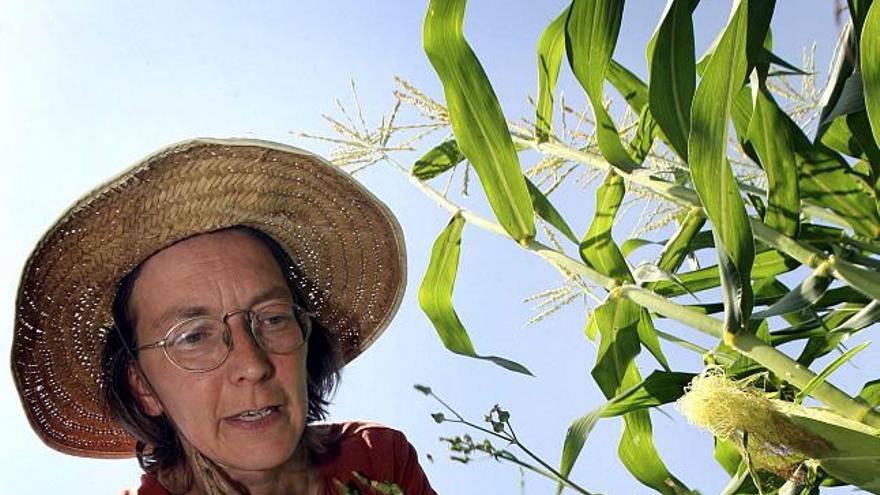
(195, 312)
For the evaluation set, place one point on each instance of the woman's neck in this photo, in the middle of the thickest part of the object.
(296, 477)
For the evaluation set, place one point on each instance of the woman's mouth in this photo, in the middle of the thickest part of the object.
(255, 419)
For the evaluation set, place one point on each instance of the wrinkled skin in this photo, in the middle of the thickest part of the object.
(212, 274)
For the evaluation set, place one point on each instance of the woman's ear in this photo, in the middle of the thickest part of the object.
(142, 391)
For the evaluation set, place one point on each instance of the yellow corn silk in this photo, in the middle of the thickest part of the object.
(781, 435)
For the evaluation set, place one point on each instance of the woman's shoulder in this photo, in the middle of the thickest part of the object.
(358, 431)
(356, 451)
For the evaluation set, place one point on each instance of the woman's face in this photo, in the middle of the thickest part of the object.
(211, 275)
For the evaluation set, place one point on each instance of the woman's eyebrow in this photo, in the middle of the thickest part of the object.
(276, 292)
(177, 313)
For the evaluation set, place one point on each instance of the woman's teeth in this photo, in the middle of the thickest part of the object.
(255, 415)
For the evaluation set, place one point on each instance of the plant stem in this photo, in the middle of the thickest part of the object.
(550, 472)
(685, 197)
(771, 358)
(768, 356)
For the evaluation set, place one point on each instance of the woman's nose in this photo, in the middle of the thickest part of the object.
(247, 360)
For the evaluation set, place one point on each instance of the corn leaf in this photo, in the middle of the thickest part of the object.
(825, 373)
(615, 372)
(768, 134)
(575, 438)
(871, 393)
(826, 180)
(870, 64)
(639, 455)
(550, 47)
(660, 387)
(435, 296)
(590, 35)
(841, 69)
(672, 67)
(597, 248)
(545, 209)
(679, 245)
(864, 280)
(853, 449)
(477, 120)
(711, 173)
(631, 245)
(767, 264)
(859, 11)
(634, 91)
(437, 160)
(806, 293)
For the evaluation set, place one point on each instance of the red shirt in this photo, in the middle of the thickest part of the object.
(379, 453)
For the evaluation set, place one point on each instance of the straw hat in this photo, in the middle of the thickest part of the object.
(346, 244)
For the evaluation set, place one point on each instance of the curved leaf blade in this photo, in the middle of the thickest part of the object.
(437, 160)
(477, 120)
(545, 209)
(435, 296)
(550, 47)
(711, 173)
(597, 248)
(768, 135)
(590, 35)
(870, 65)
(672, 82)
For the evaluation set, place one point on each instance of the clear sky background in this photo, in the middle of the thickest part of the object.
(89, 87)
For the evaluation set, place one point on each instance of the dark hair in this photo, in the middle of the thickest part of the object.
(158, 447)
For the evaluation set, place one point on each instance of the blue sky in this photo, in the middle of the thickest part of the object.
(89, 87)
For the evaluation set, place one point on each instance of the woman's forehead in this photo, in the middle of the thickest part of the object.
(205, 271)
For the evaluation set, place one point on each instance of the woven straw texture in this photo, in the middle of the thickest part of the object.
(346, 244)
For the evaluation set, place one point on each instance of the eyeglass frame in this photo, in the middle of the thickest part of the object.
(302, 315)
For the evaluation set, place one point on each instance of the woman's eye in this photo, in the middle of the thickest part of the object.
(192, 338)
(277, 320)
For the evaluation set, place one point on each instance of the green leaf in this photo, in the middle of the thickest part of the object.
(639, 455)
(870, 64)
(590, 35)
(435, 296)
(437, 160)
(825, 373)
(631, 245)
(826, 180)
(853, 452)
(711, 173)
(643, 140)
(545, 209)
(806, 293)
(597, 248)
(867, 316)
(634, 91)
(615, 371)
(865, 281)
(575, 438)
(477, 120)
(550, 47)
(841, 69)
(767, 264)
(661, 387)
(768, 134)
(648, 337)
(871, 393)
(672, 67)
(679, 245)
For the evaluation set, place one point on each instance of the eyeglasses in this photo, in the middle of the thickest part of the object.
(203, 343)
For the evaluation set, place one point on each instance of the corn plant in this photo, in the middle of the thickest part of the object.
(762, 201)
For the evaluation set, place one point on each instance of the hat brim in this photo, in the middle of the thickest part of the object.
(346, 244)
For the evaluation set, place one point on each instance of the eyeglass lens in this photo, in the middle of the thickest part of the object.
(203, 343)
